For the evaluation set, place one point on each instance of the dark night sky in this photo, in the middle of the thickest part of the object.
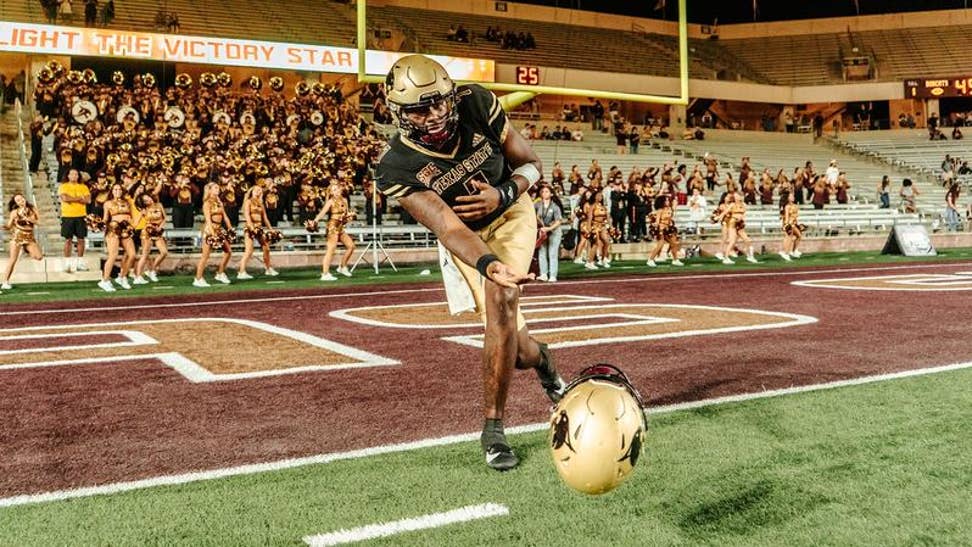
(741, 11)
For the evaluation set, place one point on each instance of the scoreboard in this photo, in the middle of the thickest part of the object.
(938, 88)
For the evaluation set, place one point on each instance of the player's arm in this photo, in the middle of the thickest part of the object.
(526, 172)
(429, 209)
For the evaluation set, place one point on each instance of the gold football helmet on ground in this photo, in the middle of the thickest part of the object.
(597, 430)
(422, 98)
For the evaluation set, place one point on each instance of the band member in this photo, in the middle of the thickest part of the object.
(483, 218)
(664, 231)
(21, 221)
(153, 234)
(118, 234)
(340, 215)
(217, 232)
(736, 229)
(258, 230)
(792, 229)
(598, 231)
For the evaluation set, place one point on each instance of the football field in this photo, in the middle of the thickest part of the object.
(796, 406)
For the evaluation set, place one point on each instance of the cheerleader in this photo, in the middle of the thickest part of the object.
(153, 234)
(257, 229)
(22, 219)
(214, 235)
(663, 230)
(118, 234)
(598, 232)
(736, 230)
(340, 215)
(720, 216)
(792, 229)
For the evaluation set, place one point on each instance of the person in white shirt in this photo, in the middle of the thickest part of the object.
(832, 173)
(697, 210)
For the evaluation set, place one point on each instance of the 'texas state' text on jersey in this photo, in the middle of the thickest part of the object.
(477, 154)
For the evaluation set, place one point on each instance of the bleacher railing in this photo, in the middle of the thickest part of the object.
(25, 163)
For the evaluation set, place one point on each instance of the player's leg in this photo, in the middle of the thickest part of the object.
(499, 356)
(536, 355)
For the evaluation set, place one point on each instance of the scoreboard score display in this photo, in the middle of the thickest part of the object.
(938, 88)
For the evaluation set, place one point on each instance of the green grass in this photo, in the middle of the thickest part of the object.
(879, 464)
(303, 278)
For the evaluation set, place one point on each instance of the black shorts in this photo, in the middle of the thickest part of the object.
(73, 227)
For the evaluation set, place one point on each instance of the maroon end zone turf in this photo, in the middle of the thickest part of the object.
(81, 425)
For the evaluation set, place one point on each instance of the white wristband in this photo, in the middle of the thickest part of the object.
(529, 172)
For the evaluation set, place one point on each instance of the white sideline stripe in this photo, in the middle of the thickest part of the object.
(600, 281)
(279, 465)
(424, 522)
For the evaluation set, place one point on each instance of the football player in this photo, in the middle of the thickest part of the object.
(458, 167)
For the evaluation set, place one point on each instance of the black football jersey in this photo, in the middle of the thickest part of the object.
(406, 167)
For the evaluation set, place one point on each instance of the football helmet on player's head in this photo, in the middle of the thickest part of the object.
(422, 100)
(597, 430)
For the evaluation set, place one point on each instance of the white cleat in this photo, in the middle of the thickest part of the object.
(784, 256)
(796, 254)
(578, 260)
(343, 270)
(752, 259)
(153, 277)
(222, 278)
(720, 256)
(552, 280)
(200, 283)
(106, 285)
(242, 276)
(270, 272)
(677, 262)
(81, 266)
(727, 261)
(590, 266)
(652, 264)
(6, 287)
(542, 278)
(139, 280)
(328, 277)
(123, 283)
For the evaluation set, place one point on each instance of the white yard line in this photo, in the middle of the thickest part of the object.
(598, 281)
(185, 478)
(424, 522)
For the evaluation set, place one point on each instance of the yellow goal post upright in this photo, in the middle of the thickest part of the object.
(521, 93)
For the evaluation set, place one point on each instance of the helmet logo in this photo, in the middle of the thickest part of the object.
(561, 436)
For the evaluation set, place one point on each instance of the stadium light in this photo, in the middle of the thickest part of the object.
(682, 99)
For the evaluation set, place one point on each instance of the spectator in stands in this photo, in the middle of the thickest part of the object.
(577, 135)
(908, 193)
(621, 136)
(492, 35)
(462, 35)
(597, 116)
(19, 83)
(50, 10)
(953, 219)
(594, 171)
(634, 139)
(821, 192)
(788, 121)
(451, 33)
(65, 10)
(75, 197)
(697, 210)
(884, 192)
(818, 123)
(90, 13)
(108, 13)
(832, 173)
(550, 216)
(842, 187)
(956, 133)
(38, 129)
